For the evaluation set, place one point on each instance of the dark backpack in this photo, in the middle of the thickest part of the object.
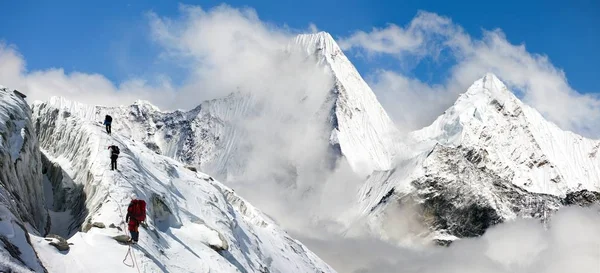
(115, 150)
(137, 210)
(108, 118)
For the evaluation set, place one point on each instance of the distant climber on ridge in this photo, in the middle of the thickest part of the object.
(107, 122)
(136, 214)
(114, 154)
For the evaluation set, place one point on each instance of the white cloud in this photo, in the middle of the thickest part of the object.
(312, 28)
(414, 39)
(544, 86)
(570, 243)
(233, 50)
(87, 88)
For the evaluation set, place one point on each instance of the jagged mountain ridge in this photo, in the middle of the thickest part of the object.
(487, 159)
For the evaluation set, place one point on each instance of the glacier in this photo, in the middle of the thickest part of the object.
(492, 154)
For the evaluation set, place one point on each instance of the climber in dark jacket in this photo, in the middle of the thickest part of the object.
(107, 122)
(114, 154)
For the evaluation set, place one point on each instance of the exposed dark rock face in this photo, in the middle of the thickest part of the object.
(458, 196)
(461, 220)
(582, 198)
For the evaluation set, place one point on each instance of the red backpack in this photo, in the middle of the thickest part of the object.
(137, 210)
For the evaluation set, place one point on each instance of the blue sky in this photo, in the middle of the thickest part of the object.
(111, 37)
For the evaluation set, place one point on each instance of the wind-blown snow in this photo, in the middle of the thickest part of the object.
(189, 213)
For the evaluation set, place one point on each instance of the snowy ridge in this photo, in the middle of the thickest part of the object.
(21, 196)
(205, 136)
(195, 223)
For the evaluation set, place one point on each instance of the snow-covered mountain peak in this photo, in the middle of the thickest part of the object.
(318, 42)
(486, 102)
(72, 107)
(487, 91)
(489, 85)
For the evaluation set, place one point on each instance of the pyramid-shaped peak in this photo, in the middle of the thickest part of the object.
(317, 36)
(491, 82)
(320, 41)
(489, 85)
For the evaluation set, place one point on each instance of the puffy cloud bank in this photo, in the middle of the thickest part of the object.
(570, 243)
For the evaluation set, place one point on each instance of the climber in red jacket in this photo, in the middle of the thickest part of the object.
(136, 214)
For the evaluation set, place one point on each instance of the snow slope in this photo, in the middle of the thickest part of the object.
(22, 208)
(195, 224)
